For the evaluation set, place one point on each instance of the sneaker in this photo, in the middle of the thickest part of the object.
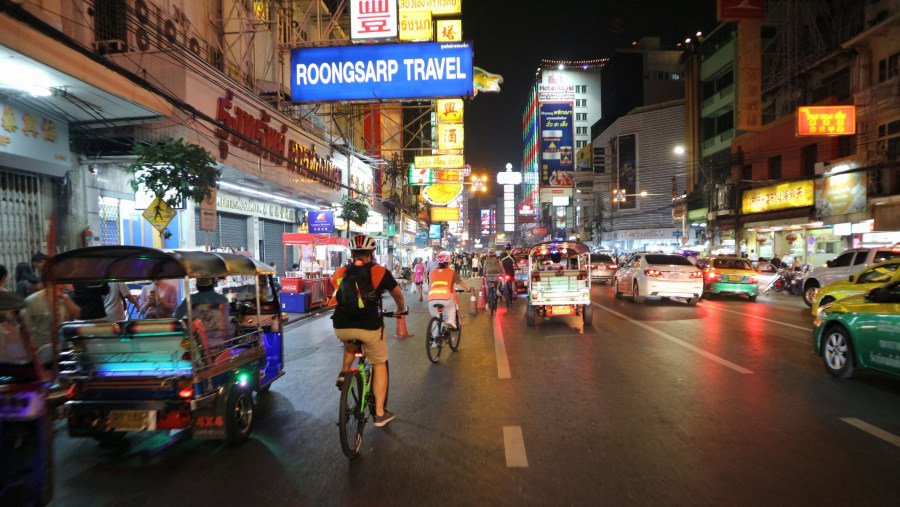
(339, 383)
(433, 343)
(381, 420)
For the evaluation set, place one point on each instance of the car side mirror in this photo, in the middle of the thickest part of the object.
(829, 263)
(852, 279)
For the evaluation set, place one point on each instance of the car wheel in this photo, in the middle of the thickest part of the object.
(810, 292)
(692, 301)
(530, 316)
(837, 352)
(752, 299)
(615, 284)
(636, 294)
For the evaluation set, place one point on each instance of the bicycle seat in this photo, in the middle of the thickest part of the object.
(439, 307)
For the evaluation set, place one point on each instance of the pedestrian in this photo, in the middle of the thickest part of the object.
(116, 300)
(158, 300)
(4, 276)
(419, 272)
(474, 265)
(90, 299)
(27, 282)
(36, 316)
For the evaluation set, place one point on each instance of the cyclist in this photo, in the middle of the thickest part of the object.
(509, 267)
(441, 290)
(357, 315)
(491, 268)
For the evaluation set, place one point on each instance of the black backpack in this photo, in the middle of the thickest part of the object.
(356, 296)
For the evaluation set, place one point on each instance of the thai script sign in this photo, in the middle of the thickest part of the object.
(437, 7)
(794, 194)
(439, 162)
(381, 71)
(416, 26)
(439, 214)
(826, 120)
(557, 133)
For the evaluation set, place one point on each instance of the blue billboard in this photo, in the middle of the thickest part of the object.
(321, 222)
(434, 231)
(381, 71)
(557, 142)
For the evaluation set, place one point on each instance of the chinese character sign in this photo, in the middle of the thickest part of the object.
(449, 30)
(373, 19)
(450, 137)
(826, 120)
(795, 194)
(449, 110)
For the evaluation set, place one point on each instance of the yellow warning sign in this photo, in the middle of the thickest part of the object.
(159, 214)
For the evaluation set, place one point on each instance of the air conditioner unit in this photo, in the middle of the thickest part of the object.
(881, 147)
(110, 46)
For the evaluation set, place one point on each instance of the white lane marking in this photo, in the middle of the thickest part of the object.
(500, 350)
(514, 445)
(873, 430)
(809, 329)
(676, 341)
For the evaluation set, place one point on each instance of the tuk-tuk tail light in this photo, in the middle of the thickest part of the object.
(582, 275)
(186, 392)
(535, 277)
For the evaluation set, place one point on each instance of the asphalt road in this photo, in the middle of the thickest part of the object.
(656, 404)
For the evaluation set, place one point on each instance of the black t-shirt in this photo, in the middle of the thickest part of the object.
(373, 319)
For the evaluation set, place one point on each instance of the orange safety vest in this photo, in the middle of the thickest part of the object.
(377, 272)
(442, 284)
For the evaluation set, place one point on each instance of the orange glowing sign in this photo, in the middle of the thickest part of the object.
(826, 120)
(448, 176)
(439, 214)
(449, 110)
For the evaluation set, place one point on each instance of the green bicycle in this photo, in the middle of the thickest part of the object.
(357, 399)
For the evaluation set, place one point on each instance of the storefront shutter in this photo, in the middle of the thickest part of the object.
(273, 246)
(233, 231)
(208, 238)
(21, 217)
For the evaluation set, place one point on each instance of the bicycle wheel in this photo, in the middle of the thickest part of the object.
(351, 419)
(455, 335)
(492, 300)
(509, 295)
(433, 341)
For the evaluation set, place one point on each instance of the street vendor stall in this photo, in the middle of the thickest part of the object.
(316, 266)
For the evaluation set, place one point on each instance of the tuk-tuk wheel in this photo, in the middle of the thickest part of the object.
(587, 314)
(239, 416)
(530, 314)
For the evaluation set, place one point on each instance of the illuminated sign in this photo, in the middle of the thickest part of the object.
(439, 214)
(841, 194)
(440, 162)
(321, 222)
(373, 19)
(381, 71)
(416, 26)
(420, 176)
(526, 209)
(437, 7)
(795, 194)
(449, 110)
(450, 136)
(826, 120)
(434, 231)
(448, 176)
(509, 178)
(561, 201)
(449, 30)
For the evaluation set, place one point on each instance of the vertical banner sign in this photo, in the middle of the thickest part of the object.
(208, 218)
(373, 19)
(626, 171)
(557, 134)
(449, 110)
(450, 137)
(749, 94)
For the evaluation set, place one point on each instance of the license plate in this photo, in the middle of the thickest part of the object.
(132, 420)
(734, 278)
(560, 310)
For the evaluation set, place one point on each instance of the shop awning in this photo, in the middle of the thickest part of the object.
(300, 238)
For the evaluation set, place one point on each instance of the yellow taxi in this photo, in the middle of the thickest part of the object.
(861, 331)
(857, 284)
(729, 275)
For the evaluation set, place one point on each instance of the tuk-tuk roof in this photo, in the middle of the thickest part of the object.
(569, 246)
(133, 263)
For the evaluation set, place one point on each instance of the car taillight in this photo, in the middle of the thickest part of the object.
(699, 274)
(612, 266)
(652, 272)
(752, 279)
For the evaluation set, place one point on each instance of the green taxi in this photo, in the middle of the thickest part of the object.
(729, 275)
(860, 332)
(857, 284)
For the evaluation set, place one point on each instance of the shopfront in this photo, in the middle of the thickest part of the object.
(662, 239)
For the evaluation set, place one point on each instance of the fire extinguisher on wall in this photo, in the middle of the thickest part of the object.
(87, 237)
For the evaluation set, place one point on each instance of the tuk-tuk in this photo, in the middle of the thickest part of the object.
(560, 281)
(26, 420)
(196, 373)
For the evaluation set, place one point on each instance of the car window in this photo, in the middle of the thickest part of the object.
(600, 258)
(668, 259)
(731, 264)
(885, 255)
(860, 258)
(843, 260)
(877, 275)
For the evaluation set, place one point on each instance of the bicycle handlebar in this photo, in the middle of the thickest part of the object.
(395, 314)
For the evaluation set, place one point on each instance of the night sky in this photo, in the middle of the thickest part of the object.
(511, 37)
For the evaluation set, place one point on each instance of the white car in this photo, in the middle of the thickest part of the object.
(841, 267)
(659, 275)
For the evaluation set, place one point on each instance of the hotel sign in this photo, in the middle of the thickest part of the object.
(826, 120)
(794, 194)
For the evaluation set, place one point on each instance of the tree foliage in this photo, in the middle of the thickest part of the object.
(355, 209)
(174, 171)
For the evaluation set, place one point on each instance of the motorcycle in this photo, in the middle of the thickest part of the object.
(788, 281)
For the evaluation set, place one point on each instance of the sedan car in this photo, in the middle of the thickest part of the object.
(659, 275)
(860, 332)
(603, 267)
(729, 275)
(857, 284)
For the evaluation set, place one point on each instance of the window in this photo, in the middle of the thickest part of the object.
(885, 255)
(580, 88)
(671, 260)
(810, 157)
(580, 116)
(747, 172)
(580, 144)
(843, 260)
(582, 131)
(846, 145)
(860, 258)
(775, 167)
(580, 102)
(881, 274)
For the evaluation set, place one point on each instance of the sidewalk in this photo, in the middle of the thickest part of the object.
(299, 317)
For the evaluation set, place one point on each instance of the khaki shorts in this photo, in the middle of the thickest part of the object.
(373, 340)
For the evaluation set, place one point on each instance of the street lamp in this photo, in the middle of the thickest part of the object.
(619, 194)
